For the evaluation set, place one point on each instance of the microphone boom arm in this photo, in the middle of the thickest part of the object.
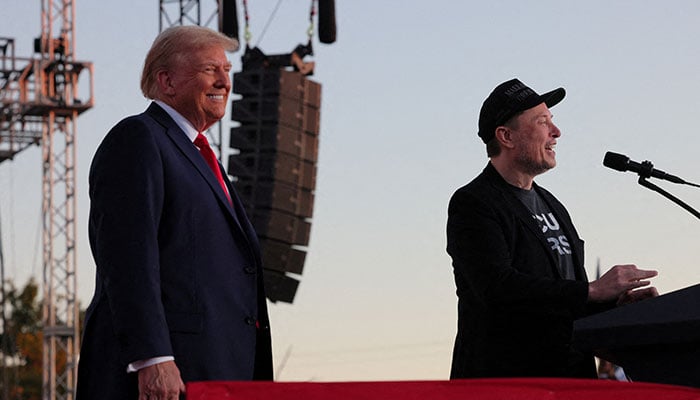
(643, 181)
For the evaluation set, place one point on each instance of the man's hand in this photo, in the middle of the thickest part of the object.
(160, 381)
(633, 296)
(618, 284)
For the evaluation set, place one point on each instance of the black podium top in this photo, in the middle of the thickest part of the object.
(673, 318)
(654, 340)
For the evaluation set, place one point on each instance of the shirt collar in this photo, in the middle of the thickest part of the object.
(181, 121)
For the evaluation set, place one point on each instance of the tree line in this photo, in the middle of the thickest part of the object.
(21, 342)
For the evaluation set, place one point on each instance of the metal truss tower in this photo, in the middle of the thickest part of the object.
(188, 12)
(193, 12)
(40, 103)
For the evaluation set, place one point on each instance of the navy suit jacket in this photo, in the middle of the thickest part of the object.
(515, 310)
(178, 268)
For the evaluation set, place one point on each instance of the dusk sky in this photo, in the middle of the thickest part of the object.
(401, 92)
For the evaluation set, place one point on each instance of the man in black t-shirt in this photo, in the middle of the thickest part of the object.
(551, 230)
(517, 258)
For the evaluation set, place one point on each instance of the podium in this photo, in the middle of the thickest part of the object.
(655, 340)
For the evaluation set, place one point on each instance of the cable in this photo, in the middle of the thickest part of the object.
(269, 21)
(5, 345)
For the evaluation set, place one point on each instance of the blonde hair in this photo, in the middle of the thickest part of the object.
(174, 45)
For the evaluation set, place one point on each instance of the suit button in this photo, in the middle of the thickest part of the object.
(249, 270)
(250, 321)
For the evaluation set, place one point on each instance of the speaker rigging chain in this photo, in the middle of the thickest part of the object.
(312, 14)
(246, 35)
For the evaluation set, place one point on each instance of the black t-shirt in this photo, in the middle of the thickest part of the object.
(547, 221)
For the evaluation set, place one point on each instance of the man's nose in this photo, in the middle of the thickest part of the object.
(555, 131)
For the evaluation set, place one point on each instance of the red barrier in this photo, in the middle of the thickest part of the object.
(467, 389)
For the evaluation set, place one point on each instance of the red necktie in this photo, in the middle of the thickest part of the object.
(208, 154)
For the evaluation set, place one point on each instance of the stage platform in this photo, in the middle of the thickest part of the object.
(468, 389)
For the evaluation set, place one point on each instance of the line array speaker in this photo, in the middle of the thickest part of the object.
(274, 161)
(228, 18)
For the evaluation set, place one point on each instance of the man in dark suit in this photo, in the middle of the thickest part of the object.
(517, 258)
(179, 294)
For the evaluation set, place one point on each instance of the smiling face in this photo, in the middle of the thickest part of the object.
(534, 137)
(198, 86)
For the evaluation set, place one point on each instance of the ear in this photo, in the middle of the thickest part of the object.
(505, 137)
(165, 82)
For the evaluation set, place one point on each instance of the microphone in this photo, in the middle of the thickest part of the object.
(645, 169)
(326, 21)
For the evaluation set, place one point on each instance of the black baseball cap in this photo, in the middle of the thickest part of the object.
(508, 99)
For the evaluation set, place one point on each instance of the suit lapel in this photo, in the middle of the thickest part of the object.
(530, 223)
(234, 212)
(179, 138)
(242, 218)
(526, 218)
(522, 213)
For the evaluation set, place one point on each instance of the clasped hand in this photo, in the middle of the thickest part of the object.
(622, 284)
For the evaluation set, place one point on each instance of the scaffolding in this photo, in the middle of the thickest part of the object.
(40, 101)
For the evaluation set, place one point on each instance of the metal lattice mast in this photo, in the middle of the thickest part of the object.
(39, 104)
(57, 80)
(189, 12)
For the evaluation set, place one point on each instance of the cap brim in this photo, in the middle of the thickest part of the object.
(553, 98)
(550, 99)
